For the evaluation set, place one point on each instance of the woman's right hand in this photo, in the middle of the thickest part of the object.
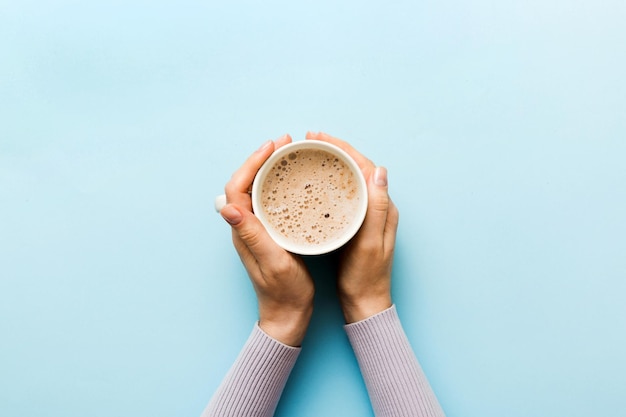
(364, 278)
(281, 281)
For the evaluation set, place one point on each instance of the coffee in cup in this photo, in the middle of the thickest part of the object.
(311, 197)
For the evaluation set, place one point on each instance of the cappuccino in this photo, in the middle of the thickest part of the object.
(310, 196)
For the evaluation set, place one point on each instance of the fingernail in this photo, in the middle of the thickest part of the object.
(264, 146)
(231, 215)
(310, 134)
(380, 176)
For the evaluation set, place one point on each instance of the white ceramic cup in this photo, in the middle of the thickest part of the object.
(286, 240)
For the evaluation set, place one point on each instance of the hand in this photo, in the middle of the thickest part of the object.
(281, 281)
(364, 279)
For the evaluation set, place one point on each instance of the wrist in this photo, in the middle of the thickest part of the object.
(361, 309)
(288, 327)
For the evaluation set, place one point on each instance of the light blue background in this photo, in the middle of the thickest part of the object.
(502, 124)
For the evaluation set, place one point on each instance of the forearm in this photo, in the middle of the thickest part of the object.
(256, 380)
(394, 379)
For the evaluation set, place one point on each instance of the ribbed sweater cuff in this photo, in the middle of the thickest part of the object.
(394, 379)
(256, 380)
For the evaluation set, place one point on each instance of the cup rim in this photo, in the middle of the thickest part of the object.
(284, 242)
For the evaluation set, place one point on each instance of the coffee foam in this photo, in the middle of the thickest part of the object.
(310, 196)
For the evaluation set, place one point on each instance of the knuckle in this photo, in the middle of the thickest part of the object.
(394, 214)
(380, 203)
(250, 236)
(229, 188)
(280, 267)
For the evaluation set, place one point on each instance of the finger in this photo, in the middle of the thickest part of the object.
(234, 216)
(375, 222)
(391, 227)
(247, 227)
(237, 188)
(282, 141)
(365, 164)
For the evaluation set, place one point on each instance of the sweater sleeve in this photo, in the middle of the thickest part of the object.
(253, 385)
(394, 378)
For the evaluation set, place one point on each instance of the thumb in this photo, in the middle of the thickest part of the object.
(250, 231)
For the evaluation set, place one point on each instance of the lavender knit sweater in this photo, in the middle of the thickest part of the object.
(395, 381)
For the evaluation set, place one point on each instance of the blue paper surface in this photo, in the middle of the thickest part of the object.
(502, 127)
